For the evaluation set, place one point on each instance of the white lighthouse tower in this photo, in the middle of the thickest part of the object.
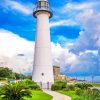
(43, 68)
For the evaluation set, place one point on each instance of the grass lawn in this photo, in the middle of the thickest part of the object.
(96, 84)
(39, 95)
(69, 93)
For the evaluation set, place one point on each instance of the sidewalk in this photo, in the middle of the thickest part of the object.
(56, 95)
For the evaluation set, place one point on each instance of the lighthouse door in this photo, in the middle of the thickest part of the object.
(45, 85)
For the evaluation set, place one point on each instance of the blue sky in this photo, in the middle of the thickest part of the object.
(24, 24)
(75, 31)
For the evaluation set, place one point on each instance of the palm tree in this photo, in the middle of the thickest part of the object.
(14, 91)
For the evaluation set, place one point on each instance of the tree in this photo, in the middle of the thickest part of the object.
(15, 91)
(6, 73)
(19, 76)
(28, 77)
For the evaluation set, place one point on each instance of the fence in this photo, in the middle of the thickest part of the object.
(46, 85)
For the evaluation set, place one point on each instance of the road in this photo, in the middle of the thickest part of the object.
(94, 87)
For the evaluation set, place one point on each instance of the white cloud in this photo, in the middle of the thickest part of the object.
(65, 42)
(78, 6)
(63, 23)
(89, 39)
(87, 46)
(95, 52)
(62, 56)
(14, 5)
(92, 51)
(85, 51)
(11, 45)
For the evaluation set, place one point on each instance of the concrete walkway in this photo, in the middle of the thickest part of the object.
(56, 95)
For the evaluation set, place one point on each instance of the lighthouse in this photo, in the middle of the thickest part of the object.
(42, 67)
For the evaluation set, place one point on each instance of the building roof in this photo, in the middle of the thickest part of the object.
(56, 66)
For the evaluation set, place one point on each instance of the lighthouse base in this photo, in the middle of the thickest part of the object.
(45, 85)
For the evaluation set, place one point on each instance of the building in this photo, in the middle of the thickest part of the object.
(57, 75)
(60, 77)
(42, 67)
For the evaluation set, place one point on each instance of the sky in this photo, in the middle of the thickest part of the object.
(75, 35)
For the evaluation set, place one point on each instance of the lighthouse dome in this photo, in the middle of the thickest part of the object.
(42, 5)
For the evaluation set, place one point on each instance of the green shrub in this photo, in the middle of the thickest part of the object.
(88, 94)
(15, 91)
(89, 85)
(71, 87)
(1, 78)
(28, 77)
(55, 87)
(83, 85)
(95, 94)
(59, 85)
(78, 91)
(62, 84)
(31, 84)
(66, 89)
(77, 98)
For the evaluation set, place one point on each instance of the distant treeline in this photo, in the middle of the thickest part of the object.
(6, 73)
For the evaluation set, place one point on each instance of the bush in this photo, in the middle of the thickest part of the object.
(59, 85)
(28, 77)
(62, 84)
(1, 78)
(66, 89)
(15, 91)
(95, 94)
(55, 87)
(78, 91)
(89, 94)
(31, 84)
(83, 85)
(71, 87)
(77, 98)
(89, 85)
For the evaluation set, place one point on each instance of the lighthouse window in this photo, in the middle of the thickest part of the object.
(42, 74)
(46, 4)
(39, 4)
(43, 4)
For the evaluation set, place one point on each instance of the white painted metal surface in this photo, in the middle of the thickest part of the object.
(43, 69)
